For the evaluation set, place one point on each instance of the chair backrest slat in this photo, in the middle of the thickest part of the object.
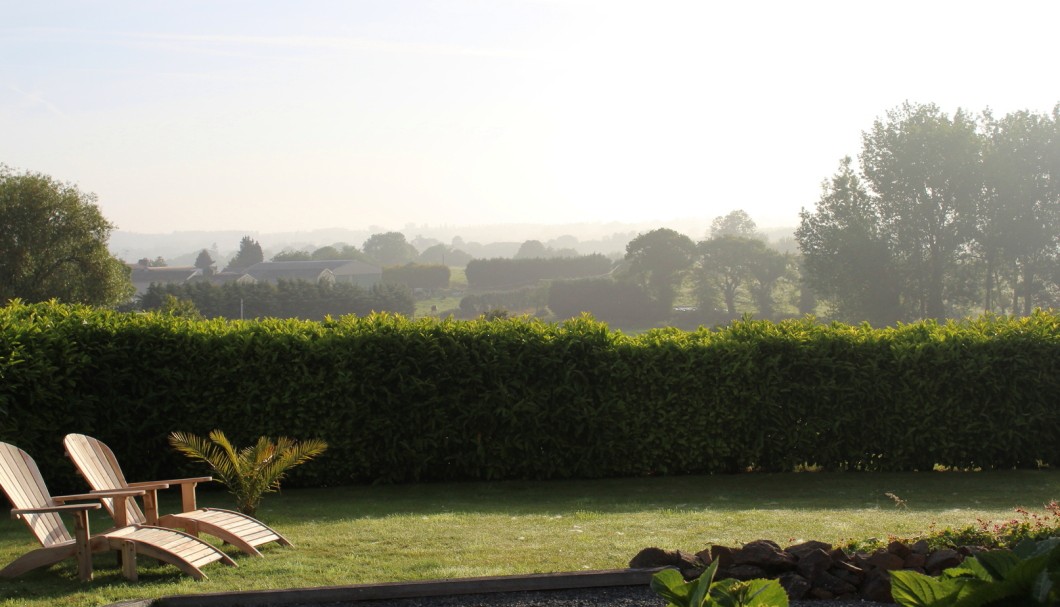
(22, 483)
(97, 464)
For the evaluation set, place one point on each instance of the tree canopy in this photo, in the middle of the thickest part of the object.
(948, 215)
(390, 249)
(204, 262)
(53, 244)
(249, 254)
(658, 261)
(736, 223)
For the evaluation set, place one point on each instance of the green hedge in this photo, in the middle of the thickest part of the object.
(402, 400)
(503, 273)
(518, 300)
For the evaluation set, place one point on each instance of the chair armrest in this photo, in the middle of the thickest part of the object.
(95, 495)
(64, 508)
(176, 481)
(187, 489)
(146, 486)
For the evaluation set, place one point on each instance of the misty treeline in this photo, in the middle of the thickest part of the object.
(502, 273)
(285, 299)
(941, 216)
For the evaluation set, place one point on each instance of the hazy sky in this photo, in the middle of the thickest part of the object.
(276, 116)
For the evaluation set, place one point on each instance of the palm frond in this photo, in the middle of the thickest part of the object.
(252, 471)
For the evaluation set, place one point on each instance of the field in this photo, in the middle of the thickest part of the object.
(361, 534)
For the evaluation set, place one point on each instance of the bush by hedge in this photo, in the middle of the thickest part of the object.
(527, 298)
(417, 276)
(506, 273)
(285, 299)
(402, 400)
(620, 303)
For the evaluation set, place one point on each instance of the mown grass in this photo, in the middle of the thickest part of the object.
(348, 535)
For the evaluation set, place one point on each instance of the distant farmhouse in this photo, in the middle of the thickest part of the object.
(144, 276)
(334, 271)
(331, 272)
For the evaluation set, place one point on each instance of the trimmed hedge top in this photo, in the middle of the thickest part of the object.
(400, 400)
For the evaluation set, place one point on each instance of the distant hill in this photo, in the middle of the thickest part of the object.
(608, 238)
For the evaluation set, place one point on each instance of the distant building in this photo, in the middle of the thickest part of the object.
(219, 278)
(144, 276)
(334, 271)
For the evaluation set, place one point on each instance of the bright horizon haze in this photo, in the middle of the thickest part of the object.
(273, 116)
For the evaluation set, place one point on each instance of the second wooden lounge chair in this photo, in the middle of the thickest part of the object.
(21, 481)
(97, 464)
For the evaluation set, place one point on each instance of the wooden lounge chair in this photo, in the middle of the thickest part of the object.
(97, 464)
(21, 481)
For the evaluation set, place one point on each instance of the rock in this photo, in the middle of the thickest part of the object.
(882, 559)
(821, 593)
(801, 550)
(692, 574)
(705, 557)
(920, 547)
(764, 554)
(833, 584)
(722, 554)
(877, 587)
(849, 568)
(794, 584)
(839, 555)
(746, 572)
(846, 576)
(900, 549)
(915, 560)
(813, 564)
(941, 560)
(650, 558)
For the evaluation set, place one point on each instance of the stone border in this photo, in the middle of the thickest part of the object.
(404, 590)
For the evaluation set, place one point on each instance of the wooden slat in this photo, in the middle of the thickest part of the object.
(259, 537)
(21, 481)
(100, 467)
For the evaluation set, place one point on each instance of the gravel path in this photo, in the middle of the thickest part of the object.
(616, 596)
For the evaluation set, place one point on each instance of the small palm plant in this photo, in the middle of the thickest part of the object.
(251, 472)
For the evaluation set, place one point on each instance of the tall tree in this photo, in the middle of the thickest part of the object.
(390, 249)
(924, 168)
(736, 223)
(445, 255)
(292, 255)
(846, 255)
(249, 254)
(204, 262)
(658, 261)
(338, 251)
(53, 244)
(766, 269)
(725, 269)
(1019, 216)
(533, 249)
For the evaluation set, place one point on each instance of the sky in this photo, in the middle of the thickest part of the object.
(270, 116)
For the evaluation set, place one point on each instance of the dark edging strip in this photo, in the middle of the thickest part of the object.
(406, 590)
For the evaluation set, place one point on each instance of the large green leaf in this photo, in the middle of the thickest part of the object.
(997, 564)
(701, 587)
(671, 586)
(912, 589)
(766, 593)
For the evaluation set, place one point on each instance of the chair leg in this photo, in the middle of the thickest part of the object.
(84, 553)
(128, 560)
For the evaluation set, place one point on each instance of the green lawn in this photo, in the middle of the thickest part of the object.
(349, 535)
